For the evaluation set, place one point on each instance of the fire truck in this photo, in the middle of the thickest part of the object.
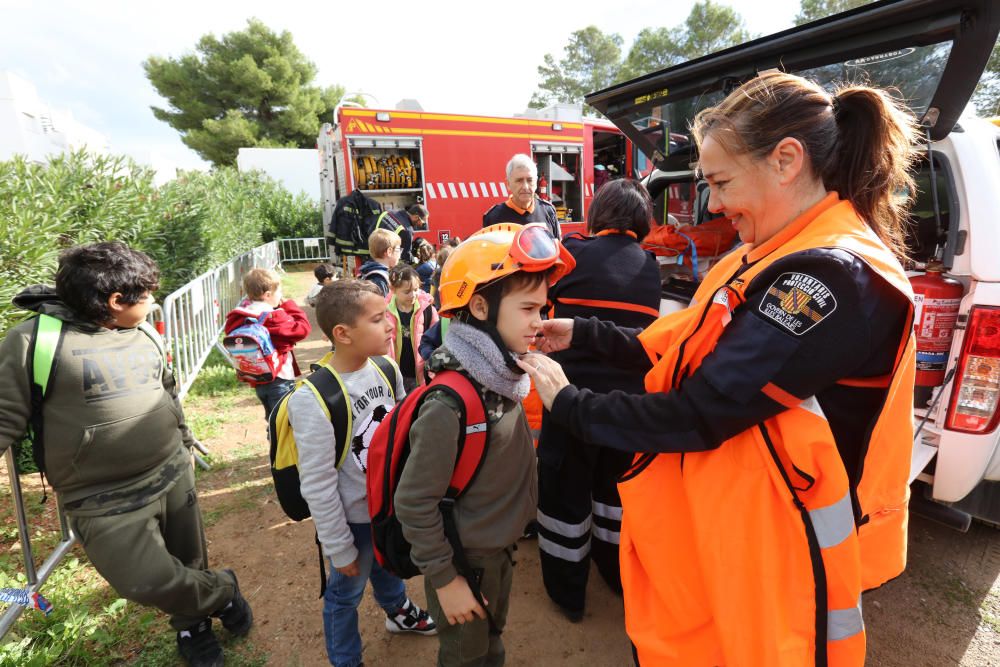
(455, 164)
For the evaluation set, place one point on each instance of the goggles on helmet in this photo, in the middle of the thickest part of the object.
(534, 245)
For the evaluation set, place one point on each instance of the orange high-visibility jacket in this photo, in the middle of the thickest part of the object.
(749, 554)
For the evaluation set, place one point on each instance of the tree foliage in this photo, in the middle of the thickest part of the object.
(710, 27)
(191, 224)
(249, 88)
(591, 62)
(813, 10)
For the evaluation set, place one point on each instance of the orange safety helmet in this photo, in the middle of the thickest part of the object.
(496, 252)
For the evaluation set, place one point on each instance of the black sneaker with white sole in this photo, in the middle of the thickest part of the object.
(199, 647)
(410, 618)
(236, 617)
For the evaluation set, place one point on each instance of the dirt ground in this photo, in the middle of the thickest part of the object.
(944, 610)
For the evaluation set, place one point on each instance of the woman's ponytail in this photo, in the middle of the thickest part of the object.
(871, 161)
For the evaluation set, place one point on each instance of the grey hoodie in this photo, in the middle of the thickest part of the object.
(115, 437)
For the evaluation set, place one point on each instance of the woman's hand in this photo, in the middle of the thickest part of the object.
(458, 603)
(555, 335)
(547, 374)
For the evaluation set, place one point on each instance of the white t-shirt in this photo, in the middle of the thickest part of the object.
(336, 497)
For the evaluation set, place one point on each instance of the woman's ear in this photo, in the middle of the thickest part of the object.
(479, 308)
(788, 158)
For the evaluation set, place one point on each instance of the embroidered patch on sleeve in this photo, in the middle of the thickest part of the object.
(797, 302)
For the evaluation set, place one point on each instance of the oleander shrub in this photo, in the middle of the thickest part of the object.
(189, 225)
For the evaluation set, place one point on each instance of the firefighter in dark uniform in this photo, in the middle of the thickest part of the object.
(522, 206)
(579, 511)
(403, 222)
(775, 437)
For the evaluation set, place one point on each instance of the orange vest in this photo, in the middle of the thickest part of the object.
(533, 408)
(749, 554)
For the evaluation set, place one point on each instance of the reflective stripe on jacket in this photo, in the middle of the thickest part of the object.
(756, 552)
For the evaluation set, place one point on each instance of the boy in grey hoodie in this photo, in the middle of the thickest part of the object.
(116, 448)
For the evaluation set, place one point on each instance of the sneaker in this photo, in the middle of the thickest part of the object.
(236, 616)
(410, 618)
(199, 647)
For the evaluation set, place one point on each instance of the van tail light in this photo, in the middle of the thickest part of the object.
(976, 392)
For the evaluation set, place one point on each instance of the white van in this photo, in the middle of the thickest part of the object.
(933, 52)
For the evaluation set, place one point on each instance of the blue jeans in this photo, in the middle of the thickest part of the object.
(272, 392)
(343, 594)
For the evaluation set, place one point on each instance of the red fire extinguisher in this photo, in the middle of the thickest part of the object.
(936, 300)
(543, 188)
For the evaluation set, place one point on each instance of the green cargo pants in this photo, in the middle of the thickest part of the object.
(471, 644)
(157, 555)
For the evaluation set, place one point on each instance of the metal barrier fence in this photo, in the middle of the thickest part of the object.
(194, 315)
(303, 250)
(190, 321)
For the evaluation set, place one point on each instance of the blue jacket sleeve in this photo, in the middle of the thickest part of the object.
(430, 341)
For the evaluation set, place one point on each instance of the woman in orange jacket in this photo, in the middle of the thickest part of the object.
(770, 483)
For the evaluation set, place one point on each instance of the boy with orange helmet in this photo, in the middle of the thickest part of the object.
(493, 287)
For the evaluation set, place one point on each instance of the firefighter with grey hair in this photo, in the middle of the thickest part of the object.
(523, 206)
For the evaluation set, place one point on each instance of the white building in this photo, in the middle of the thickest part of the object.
(32, 128)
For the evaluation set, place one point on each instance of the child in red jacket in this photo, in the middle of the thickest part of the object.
(286, 323)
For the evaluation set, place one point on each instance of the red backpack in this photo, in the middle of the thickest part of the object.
(387, 455)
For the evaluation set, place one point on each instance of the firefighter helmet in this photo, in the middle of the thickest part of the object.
(496, 252)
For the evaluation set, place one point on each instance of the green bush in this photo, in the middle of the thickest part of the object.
(191, 224)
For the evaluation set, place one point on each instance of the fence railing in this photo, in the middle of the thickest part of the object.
(190, 320)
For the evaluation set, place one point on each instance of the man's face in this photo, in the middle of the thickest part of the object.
(418, 222)
(521, 185)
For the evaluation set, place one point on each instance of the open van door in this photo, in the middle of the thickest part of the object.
(932, 51)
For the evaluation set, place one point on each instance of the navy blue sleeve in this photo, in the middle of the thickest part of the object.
(430, 341)
(782, 345)
(606, 339)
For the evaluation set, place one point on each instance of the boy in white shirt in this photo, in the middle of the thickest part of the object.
(352, 315)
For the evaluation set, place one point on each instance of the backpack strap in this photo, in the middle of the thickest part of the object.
(147, 328)
(331, 394)
(46, 340)
(472, 448)
(387, 368)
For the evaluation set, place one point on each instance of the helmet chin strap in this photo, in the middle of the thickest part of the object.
(489, 327)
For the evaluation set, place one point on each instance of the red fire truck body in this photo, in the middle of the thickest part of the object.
(455, 164)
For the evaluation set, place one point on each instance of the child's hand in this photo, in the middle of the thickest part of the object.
(458, 603)
(351, 570)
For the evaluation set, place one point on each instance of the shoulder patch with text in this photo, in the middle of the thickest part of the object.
(797, 302)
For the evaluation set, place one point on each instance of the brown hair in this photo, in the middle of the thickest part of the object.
(342, 302)
(258, 281)
(401, 275)
(860, 142)
(380, 241)
(424, 251)
(623, 205)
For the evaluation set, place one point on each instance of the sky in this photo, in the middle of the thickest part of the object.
(455, 57)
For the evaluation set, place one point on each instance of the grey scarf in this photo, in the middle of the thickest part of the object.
(479, 355)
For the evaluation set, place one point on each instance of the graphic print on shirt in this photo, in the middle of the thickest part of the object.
(797, 302)
(115, 372)
(370, 417)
